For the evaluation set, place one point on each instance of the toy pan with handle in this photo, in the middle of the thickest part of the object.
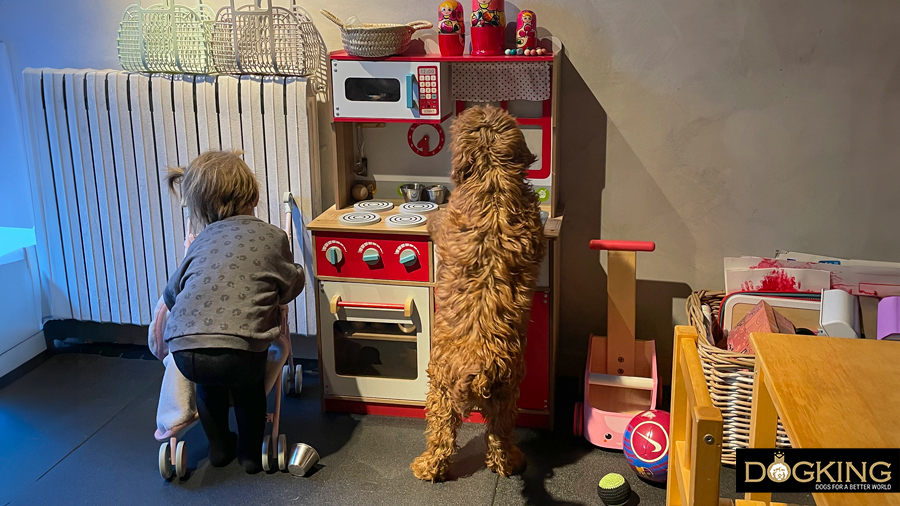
(166, 37)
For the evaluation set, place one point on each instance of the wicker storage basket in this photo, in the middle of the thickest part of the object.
(729, 376)
(376, 40)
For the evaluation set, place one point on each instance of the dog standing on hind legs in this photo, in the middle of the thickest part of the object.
(490, 243)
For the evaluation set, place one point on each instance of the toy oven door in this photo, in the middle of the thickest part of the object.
(373, 347)
(390, 90)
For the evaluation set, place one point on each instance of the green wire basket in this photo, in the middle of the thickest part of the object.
(167, 38)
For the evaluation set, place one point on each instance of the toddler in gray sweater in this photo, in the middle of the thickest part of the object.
(224, 302)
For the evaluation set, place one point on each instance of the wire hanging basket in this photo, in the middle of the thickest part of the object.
(273, 40)
(166, 37)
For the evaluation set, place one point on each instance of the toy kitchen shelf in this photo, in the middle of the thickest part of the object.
(342, 55)
(395, 113)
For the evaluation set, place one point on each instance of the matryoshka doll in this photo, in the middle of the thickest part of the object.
(488, 26)
(452, 28)
(526, 31)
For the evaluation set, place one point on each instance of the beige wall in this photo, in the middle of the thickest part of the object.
(711, 127)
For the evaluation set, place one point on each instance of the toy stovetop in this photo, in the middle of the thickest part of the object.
(328, 221)
(342, 55)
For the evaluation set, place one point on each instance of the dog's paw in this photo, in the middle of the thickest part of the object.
(426, 467)
(508, 463)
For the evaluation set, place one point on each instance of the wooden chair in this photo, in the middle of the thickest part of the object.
(695, 439)
(695, 447)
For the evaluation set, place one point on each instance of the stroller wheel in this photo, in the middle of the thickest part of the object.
(298, 379)
(265, 453)
(286, 379)
(282, 452)
(165, 465)
(181, 469)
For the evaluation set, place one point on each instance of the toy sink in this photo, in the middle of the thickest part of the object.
(620, 379)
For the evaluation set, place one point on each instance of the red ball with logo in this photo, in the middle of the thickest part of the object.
(646, 445)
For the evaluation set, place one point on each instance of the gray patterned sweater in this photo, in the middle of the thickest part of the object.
(227, 291)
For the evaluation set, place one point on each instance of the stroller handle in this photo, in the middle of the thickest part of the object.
(599, 244)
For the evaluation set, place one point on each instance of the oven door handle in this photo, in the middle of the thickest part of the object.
(407, 307)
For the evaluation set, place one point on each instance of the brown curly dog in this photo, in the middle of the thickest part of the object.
(490, 243)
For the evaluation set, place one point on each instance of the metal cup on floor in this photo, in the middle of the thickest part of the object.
(303, 458)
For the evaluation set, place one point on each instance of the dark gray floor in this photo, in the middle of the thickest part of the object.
(78, 430)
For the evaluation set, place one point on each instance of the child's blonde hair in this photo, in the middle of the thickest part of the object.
(215, 186)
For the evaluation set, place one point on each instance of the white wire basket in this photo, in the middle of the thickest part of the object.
(273, 40)
(167, 38)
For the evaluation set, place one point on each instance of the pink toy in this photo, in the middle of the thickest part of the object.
(762, 318)
(452, 29)
(888, 327)
(526, 30)
(488, 25)
(620, 379)
(647, 445)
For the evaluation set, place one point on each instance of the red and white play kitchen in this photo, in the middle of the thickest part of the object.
(373, 259)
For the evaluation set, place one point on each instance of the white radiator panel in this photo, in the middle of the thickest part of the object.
(102, 143)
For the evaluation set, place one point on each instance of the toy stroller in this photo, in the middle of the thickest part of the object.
(177, 411)
(620, 379)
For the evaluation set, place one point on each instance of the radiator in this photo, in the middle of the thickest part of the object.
(109, 232)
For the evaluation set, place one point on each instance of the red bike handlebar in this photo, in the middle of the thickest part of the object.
(599, 244)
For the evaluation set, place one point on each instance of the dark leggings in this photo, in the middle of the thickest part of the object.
(218, 372)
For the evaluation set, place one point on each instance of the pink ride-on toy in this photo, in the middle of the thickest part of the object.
(620, 379)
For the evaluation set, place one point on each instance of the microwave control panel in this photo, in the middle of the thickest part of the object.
(428, 91)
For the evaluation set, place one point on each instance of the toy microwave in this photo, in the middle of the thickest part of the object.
(390, 90)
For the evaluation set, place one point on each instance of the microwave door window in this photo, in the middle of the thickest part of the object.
(370, 89)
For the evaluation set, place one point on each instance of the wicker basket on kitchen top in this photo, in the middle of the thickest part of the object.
(729, 377)
(376, 40)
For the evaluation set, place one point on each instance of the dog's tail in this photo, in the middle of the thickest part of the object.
(471, 382)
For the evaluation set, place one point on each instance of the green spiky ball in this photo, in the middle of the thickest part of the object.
(613, 490)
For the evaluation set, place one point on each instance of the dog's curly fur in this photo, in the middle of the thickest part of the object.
(490, 243)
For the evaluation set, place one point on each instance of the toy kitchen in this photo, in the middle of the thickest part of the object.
(373, 259)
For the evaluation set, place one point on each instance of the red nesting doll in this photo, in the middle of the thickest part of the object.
(451, 17)
(452, 28)
(526, 30)
(488, 25)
